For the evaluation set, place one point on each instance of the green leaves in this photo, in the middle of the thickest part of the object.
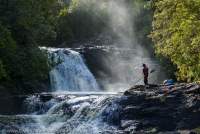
(2, 71)
(25, 25)
(81, 19)
(7, 46)
(176, 35)
(6, 38)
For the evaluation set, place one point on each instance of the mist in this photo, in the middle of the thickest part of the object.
(128, 55)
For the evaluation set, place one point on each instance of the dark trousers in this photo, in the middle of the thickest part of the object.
(146, 80)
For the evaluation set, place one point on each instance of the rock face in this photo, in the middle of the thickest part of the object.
(155, 109)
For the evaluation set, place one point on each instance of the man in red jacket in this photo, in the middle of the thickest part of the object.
(145, 73)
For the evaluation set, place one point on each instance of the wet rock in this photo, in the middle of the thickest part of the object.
(193, 89)
(112, 114)
(128, 124)
(169, 111)
(46, 97)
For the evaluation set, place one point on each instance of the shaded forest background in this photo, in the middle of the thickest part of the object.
(27, 24)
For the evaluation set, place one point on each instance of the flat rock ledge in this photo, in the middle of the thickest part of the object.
(159, 109)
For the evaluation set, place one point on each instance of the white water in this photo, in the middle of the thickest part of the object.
(75, 114)
(65, 114)
(64, 111)
(70, 73)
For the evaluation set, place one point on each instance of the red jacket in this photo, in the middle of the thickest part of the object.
(146, 71)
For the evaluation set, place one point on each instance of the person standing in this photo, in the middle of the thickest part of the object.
(145, 73)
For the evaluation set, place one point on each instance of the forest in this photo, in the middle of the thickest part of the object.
(170, 27)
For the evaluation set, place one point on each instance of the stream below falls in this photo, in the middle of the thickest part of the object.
(58, 113)
(75, 104)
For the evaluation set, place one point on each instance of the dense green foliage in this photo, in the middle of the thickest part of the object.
(80, 20)
(25, 25)
(176, 34)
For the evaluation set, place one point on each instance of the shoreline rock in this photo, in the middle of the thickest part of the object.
(155, 110)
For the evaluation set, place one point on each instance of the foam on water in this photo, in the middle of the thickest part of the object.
(72, 114)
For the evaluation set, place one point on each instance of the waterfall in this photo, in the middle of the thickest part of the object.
(70, 73)
(67, 112)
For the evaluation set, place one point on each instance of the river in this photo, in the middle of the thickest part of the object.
(75, 104)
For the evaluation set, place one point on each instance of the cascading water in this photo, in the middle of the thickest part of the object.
(65, 114)
(70, 73)
(55, 113)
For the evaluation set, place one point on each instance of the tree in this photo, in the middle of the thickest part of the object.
(176, 34)
(24, 26)
(7, 48)
(80, 20)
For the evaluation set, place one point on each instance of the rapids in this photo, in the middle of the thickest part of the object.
(73, 106)
(64, 113)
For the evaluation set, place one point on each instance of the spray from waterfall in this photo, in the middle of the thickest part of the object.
(127, 59)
